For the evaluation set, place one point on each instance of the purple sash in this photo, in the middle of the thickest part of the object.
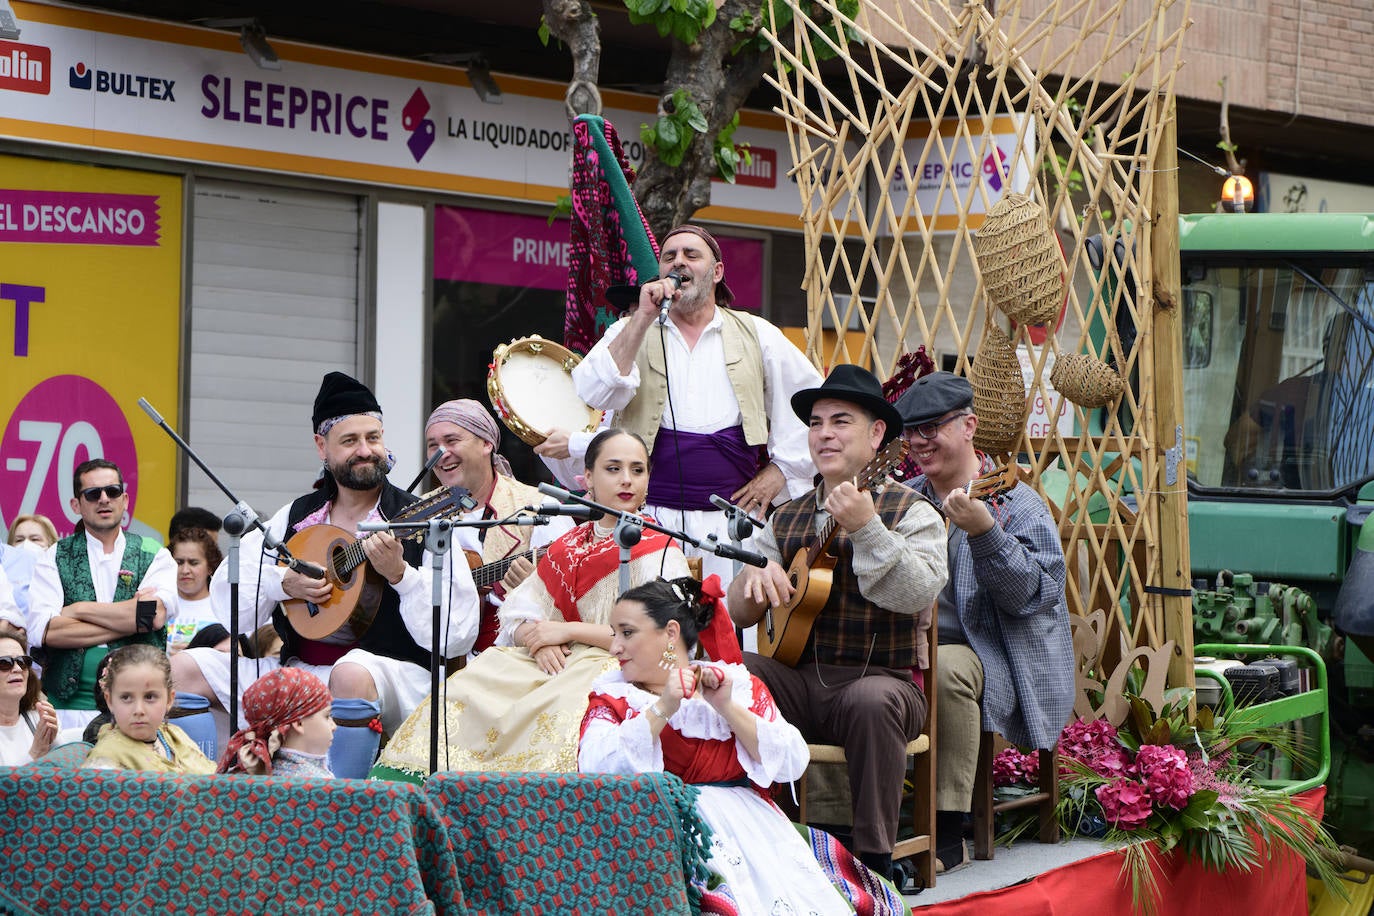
(719, 462)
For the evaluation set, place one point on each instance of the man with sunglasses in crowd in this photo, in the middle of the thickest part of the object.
(97, 590)
(1005, 658)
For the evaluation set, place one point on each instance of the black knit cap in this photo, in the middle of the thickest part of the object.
(857, 386)
(342, 396)
(932, 396)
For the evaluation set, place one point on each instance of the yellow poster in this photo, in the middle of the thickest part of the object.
(90, 321)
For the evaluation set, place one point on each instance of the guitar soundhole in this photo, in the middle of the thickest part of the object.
(792, 579)
(338, 561)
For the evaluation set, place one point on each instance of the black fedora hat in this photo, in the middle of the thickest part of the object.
(857, 386)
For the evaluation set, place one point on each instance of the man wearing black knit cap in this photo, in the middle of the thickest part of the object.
(382, 673)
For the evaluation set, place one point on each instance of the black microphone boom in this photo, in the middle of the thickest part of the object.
(585, 513)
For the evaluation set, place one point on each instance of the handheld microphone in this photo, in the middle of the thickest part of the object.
(733, 510)
(668, 299)
(585, 513)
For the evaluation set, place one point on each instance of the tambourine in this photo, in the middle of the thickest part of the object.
(531, 389)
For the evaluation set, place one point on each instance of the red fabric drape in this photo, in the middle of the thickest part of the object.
(1097, 886)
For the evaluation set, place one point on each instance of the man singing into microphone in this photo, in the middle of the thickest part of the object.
(708, 390)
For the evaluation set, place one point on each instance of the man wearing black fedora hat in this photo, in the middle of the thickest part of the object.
(378, 675)
(856, 682)
(1005, 651)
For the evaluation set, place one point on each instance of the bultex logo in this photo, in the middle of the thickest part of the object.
(414, 122)
(25, 68)
(133, 85)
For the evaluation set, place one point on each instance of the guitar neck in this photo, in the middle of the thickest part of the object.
(489, 574)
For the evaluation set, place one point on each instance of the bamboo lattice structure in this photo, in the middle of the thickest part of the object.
(905, 137)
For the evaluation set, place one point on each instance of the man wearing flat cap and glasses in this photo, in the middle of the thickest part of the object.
(1006, 661)
(856, 683)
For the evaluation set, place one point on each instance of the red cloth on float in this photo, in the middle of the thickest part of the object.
(1091, 887)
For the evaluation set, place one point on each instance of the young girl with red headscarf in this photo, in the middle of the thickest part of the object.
(289, 727)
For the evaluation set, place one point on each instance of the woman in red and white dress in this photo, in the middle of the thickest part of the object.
(716, 727)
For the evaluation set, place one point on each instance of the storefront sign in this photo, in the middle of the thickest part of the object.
(90, 274)
(187, 93)
(511, 249)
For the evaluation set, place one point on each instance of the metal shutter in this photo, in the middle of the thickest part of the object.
(274, 306)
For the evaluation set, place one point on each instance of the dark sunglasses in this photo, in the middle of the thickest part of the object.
(931, 430)
(7, 662)
(113, 491)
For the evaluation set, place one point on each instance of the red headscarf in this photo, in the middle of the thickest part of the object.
(274, 701)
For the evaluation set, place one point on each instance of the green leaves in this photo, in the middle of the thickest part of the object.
(685, 20)
(672, 134)
(728, 155)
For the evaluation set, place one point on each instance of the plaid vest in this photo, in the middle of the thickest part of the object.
(62, 673)
(851, 630)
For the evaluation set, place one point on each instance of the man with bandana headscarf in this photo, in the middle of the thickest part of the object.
(377, 676)
(470, 438)
(708, 390)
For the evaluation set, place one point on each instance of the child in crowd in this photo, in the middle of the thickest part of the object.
(138, 692)
(289, 728)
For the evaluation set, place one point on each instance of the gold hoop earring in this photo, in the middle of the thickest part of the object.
(668, 661)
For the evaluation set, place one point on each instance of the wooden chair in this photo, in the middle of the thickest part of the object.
(985, 810)
(921, 750)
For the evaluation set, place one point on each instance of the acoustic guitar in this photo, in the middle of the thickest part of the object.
(484, 576)
(786, 629)
(357, 587)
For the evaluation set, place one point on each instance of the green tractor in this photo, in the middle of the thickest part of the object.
(1278, 382)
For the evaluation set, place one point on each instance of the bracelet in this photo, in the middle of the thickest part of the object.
(657, 712)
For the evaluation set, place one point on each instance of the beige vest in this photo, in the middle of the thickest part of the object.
(508, 496)
(743, 366)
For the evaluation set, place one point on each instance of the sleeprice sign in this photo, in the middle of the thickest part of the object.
(90, 309)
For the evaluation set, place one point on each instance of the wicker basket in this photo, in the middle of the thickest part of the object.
(1085, 380)
(999, 393)
(1019, 258)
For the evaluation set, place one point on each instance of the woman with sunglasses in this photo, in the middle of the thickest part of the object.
(28, 724)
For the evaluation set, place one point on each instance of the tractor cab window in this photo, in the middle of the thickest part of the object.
(1281, 395)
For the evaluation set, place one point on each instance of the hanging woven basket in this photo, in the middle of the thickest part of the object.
(999, 393)
(1019, 258)
(1086, 380)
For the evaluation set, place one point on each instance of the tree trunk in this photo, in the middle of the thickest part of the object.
(718, 82)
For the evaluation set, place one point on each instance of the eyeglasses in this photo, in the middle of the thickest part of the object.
(932, 429)
(7, 662)
(113, 491)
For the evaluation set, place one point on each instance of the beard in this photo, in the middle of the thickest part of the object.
(360, 474)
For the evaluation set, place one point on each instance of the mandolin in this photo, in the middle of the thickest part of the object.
(357, 587)
(786, 629)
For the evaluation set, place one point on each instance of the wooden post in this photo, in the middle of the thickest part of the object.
(1172, 482)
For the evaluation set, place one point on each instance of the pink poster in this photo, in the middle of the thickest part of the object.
(512, 249)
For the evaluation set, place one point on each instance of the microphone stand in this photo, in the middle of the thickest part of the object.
(438, 537)
(739, 524)
(630, 519)
(235, 524)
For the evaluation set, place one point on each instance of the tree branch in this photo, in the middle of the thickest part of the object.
(574, 23)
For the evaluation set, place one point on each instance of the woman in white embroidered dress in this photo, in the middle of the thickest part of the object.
(518, 705)
(716, 727)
